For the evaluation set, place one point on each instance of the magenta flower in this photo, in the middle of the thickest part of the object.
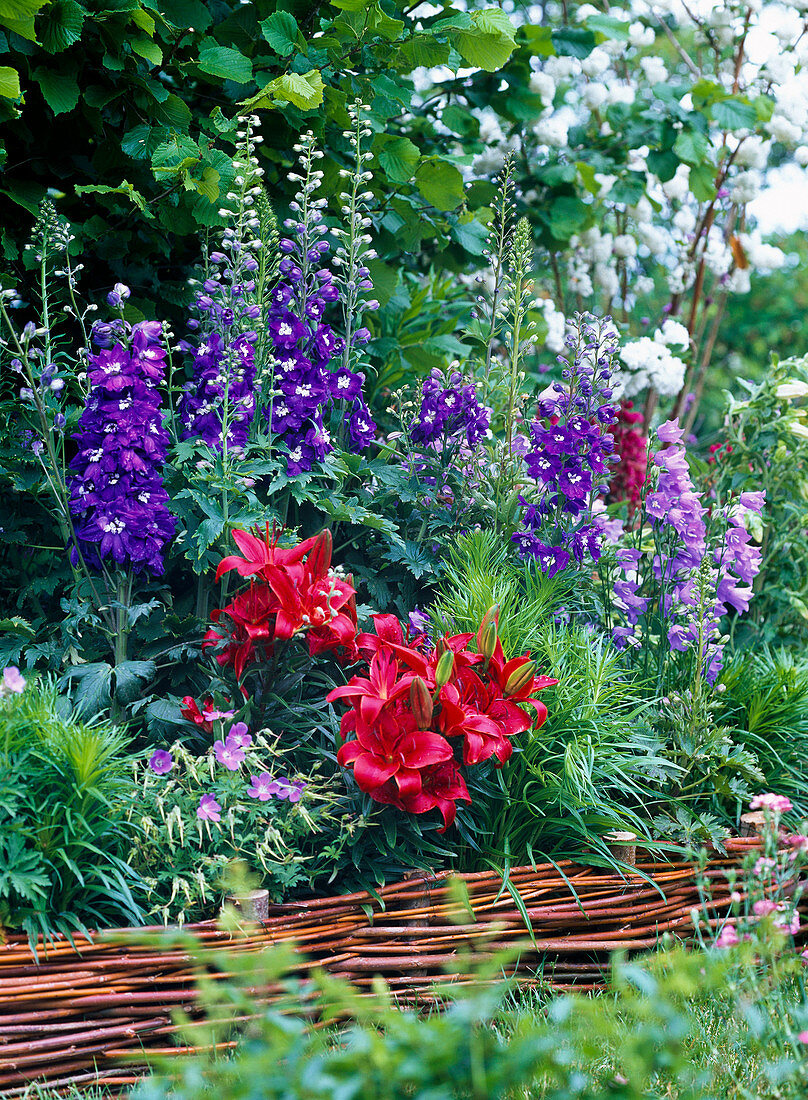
(727, 937)
(13, 681)
(238, 737)
(208, 809)
(161, 762)
(214, 715)
(293, 791)
(263, 787)
(230, 755)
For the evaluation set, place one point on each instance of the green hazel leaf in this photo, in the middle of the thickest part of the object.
(691, 147)
(143, 20)
(61, 25)
(187, 14)
(303, 90)
(9, 82)
(471, 234)
(733, 114)
(351, 5)
(172, 156)
(208, 185)
(384, 25)
(124, 188)
(148, 50)
(422, 51)
(399, 158)
(281, 31)
(702, 182)
(441, 184)
(226, 64)
(18, 16)
(573, 42)
(488, 42)
(60, 89)
(174, 113)
(608, 26)
(141, 141)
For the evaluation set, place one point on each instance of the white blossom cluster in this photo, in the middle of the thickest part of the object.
(650, 361)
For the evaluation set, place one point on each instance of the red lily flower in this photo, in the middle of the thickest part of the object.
(442, 785)
(262, 552)
(250, 614)
(483, 737)
(372, 692)
(191, 713)
(392, 750)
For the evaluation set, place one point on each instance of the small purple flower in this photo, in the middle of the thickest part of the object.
(419, 621)
(231, 756)
(238, 737)
(291, 790)
(118, 295)
(13, 681)
(161, 762)
(263, 787)
(208, 809)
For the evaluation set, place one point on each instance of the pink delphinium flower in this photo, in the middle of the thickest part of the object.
(208, 809)
(229, 754)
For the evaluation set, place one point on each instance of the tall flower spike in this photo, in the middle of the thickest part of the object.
(117, 500)
(219, 405)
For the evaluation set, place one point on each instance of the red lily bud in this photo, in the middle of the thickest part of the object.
(319, 557)
(520, 678)
(444, 667)
(421, 703)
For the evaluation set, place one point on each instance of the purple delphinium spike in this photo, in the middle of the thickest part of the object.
(117, 499)
(571, 450)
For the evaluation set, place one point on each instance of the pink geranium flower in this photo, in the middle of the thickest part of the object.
(238, 737)
(13, 681)
(776, 803)
(208, 809)
(161, 762)
(727, 937)
(229, 754)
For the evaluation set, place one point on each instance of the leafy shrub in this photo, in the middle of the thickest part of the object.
(195, 819)
(65, 790)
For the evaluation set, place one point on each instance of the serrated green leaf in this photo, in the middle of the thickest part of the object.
(61, 25)
(422, 51)
(225, 63)
(281, 30)
(9, 82)
(130, 677)
(489, 40)
(208, 185)
(18, 16)
(351, 5)
(573, 42)
(59, 88)
(147, 49)
(141, 142)
(124, 188)
(143, 20)
(175, 155)
(304, 90)
(399, 158)
(702, 182)
(441, 184)
(691, 146)
(733, 114)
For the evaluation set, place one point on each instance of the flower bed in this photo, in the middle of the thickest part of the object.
(84, 1015)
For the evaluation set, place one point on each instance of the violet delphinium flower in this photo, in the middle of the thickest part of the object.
(208, 809)
(311, 375)
(571, 451)
(117, 498)
(450, 410)
(161, 762)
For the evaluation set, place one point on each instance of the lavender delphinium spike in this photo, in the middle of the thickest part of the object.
(117, 497)
(700, 566)
(571, 451)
